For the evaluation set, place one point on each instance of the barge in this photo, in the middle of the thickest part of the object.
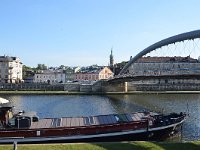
(26, 127)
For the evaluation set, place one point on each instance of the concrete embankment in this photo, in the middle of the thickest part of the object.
(93, 93)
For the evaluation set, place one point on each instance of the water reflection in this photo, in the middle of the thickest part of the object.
(82, 105)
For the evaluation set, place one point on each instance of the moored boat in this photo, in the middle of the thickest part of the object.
(26, 127)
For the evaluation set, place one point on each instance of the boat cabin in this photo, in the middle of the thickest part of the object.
(19, 120)
(5, 115)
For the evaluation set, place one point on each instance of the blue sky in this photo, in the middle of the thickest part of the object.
(82, 32)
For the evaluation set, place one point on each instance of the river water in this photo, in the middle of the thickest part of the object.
(85, 105)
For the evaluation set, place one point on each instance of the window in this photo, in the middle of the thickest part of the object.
(166, 81)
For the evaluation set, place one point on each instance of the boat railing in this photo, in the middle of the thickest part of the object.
(168, 119)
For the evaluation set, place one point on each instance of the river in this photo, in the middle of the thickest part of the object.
(85, 105)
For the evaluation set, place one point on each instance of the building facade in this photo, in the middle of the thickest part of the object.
(49, 76)
(93, 73)
(165, 66)
(158, 66)
(70, 73)
(10, 69)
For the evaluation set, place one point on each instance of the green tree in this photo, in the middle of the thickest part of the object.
(41, 67)
(27, 71)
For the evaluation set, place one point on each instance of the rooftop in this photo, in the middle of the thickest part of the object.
(166, 59)
(91, 69)
(8, 59)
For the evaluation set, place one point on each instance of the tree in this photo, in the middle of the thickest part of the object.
(27, 71)
(42, 67)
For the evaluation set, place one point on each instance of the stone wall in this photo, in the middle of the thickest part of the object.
(31, 87)
(73, 87)
(86, 88)
(164, 87)
(101, 86)
(104, 86)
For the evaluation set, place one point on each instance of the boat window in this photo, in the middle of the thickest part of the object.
(12, 122)
(117, 118)
(121, 118)
(91, 120)
(86, 121)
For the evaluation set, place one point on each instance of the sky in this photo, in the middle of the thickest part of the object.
(82, 32)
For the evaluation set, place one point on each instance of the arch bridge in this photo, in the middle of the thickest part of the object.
(184, 78)
(171, 40)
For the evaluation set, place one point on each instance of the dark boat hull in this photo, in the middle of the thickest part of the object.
(152, 134)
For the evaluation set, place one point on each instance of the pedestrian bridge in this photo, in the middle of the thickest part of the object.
(183, 38)
(189, 44)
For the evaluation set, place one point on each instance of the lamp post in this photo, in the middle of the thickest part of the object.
(15, 145)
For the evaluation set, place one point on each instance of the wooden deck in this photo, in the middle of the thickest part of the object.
(86, 121)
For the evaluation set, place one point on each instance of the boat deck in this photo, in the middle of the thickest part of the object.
(87, 121)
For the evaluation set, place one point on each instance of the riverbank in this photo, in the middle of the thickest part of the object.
(94, 93)
(109, 146)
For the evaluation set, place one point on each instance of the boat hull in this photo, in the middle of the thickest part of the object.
(151, 134)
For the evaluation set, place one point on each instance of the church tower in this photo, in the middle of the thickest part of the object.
(111, 59)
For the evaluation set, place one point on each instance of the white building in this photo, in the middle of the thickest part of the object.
(10, 69)
(49, 76)
(160, 66)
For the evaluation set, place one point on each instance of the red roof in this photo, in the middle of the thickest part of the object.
(166, 59)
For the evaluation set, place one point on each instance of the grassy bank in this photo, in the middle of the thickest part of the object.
(109, 146)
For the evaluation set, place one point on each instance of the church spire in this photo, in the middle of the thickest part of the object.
(111, 58)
